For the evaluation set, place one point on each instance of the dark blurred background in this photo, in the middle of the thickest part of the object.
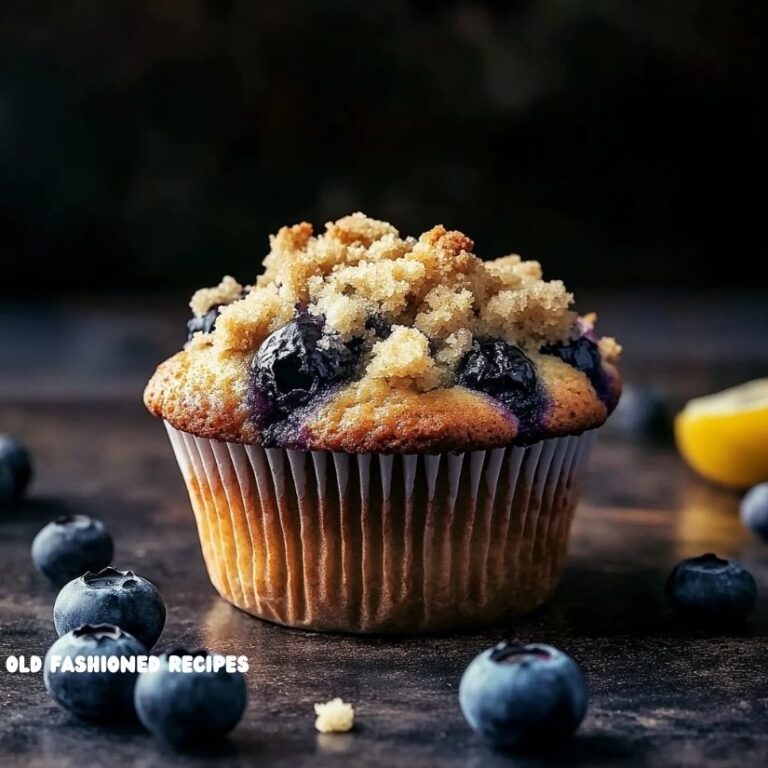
(155, 145)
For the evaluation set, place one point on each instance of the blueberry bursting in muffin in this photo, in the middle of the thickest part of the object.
(358, 340)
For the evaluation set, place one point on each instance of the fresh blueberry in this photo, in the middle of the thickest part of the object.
(7, 485)
(642, 413)
(15, 469)
(187, 708)
(97, 694)
(501, 370)
(298, 362)
(708, 589)
(523, 695)
(70, 546)
(205, 323)
(754, 510)
(112, 597)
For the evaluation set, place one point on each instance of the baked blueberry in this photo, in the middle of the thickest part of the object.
(709, 589)
(503, 371)
(185, 708)
(298, 361)
(523, 695)
(584, 354)
(112, 597)
(754, 510)
(71, 545)
(98, 694)
(15, 469)
(495, 366)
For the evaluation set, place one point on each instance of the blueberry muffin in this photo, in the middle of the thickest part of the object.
(385, 433)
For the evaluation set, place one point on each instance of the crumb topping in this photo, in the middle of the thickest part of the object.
(434, 286)
(335, 716)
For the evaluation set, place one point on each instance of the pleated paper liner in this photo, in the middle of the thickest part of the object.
(383, 543)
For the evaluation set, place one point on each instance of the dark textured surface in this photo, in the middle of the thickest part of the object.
(662, 695)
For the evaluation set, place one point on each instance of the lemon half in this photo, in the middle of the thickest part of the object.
(724, 436)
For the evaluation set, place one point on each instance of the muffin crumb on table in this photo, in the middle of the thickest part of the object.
(335, 716)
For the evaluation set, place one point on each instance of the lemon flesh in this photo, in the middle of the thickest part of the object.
(724, 436)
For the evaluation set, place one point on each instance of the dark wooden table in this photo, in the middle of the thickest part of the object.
(662, 695)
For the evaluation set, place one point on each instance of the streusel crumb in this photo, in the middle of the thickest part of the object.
(404, 357)
(227, 291)
(335, 716)
(242, 326)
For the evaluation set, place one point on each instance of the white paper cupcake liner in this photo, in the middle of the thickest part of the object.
(383, 543)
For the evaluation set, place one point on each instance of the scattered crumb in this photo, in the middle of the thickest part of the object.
(335, 716)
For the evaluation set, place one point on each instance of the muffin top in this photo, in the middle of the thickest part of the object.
(360, 340)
